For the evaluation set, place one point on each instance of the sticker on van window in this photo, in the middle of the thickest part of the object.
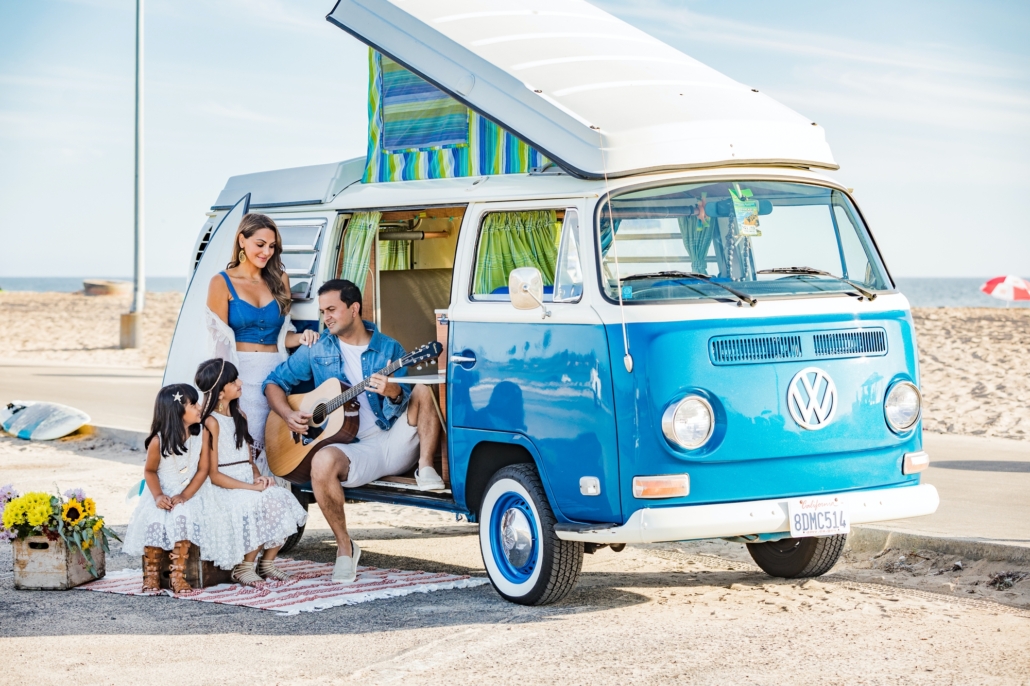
(745, 209)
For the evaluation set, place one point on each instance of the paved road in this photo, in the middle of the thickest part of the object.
(984, 482)
(122, 397)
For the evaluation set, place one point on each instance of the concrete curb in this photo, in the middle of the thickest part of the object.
(864, 539)
(130, 437)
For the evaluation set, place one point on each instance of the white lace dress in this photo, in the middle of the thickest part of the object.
(257, 519)
(196, 520)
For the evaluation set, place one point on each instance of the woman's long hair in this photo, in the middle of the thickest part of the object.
(167, 424)
(272, 274)
(211, 378)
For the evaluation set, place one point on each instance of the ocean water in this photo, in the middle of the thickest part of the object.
(929, 292)
(70, 284)
(957, 292)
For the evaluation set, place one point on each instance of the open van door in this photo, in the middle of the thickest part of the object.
(189, 343)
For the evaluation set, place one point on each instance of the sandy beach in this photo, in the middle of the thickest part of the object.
(974, 379)
(78, 329)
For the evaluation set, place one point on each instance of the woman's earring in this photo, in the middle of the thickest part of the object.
(242, 256)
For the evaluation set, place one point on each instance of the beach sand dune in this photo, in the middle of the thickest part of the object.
(975, 379)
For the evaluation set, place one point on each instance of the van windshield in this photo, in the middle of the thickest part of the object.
(759, 238)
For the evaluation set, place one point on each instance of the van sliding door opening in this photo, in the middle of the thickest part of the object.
(403, 262)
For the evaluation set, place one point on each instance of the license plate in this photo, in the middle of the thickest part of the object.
(817, 517)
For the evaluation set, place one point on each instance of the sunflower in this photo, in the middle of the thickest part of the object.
(72, 512)
(89, 506)
(98, 525)
(86, 544)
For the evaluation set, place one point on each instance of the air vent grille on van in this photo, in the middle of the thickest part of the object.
(846, 343)
(203, 246)
(743, 349)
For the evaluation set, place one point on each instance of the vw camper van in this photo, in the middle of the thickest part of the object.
(661, 319)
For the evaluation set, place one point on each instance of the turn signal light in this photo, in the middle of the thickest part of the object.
(667, 486)
(914, 462)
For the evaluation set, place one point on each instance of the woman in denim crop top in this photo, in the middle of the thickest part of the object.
(248, 318)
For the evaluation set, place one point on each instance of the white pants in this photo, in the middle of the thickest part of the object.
(254, 369)
(386, 453)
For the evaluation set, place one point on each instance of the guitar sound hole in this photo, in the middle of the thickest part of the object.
(318, 415)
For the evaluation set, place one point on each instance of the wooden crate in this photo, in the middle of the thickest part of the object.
(199, 573)
(43, 565)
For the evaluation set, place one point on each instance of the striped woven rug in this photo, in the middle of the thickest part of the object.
(311, 589)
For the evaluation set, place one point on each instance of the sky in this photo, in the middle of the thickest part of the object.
(926, 106)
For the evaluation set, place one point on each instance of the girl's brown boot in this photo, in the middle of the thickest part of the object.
(177, 569)
(152, 568)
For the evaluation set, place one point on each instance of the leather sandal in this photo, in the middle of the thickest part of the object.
(177, 569)
(266, 569)
(152, 568)
(244, 574)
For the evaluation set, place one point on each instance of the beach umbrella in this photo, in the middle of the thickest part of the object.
(1007, 288)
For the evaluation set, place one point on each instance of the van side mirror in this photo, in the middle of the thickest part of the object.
(526, 288)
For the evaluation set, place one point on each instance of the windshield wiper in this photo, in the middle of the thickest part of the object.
(741, 297)
(808, 271)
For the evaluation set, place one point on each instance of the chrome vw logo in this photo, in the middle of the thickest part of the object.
(812, 398)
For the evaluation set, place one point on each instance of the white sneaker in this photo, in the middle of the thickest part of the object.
(346, 569)
(427, 479)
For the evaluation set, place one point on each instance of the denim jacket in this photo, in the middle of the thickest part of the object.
(324, 361)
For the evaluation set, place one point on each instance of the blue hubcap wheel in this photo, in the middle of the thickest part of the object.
(513, 538)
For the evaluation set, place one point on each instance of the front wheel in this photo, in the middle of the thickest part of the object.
(525, 561)
(795, 558)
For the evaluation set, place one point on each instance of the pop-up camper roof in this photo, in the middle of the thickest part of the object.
(572, 81)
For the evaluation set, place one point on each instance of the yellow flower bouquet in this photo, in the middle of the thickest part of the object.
(72, 518)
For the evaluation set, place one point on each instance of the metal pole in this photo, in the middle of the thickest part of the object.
(139, 285)
(131, 324)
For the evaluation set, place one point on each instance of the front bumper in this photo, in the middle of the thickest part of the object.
(725, 520)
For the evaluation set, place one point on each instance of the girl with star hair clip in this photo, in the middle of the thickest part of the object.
(172, 512)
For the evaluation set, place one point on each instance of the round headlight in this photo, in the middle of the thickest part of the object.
(902, 405)
(689, 423)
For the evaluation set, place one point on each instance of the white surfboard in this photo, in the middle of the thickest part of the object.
(39, 421)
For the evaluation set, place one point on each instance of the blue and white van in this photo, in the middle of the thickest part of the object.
(662, 320)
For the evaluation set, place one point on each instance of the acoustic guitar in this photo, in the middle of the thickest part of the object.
(289, 453)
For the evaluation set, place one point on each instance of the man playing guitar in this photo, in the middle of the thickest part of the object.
(352, 349)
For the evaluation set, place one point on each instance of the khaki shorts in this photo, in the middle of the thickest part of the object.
(387, 453)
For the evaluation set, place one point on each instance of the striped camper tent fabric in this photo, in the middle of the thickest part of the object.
(418, 132)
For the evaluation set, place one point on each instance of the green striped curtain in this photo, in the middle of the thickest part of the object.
(357, 246)
(696, 239)
(516, 239)
(394, 255)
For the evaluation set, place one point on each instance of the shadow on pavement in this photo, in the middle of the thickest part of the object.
(982, 465)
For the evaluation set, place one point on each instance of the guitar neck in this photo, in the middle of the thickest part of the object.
(359, 388)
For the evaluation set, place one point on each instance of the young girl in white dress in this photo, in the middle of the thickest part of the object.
(261, 515)
(170, 514)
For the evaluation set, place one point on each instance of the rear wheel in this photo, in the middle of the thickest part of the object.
(794, 558)
(525, 561)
